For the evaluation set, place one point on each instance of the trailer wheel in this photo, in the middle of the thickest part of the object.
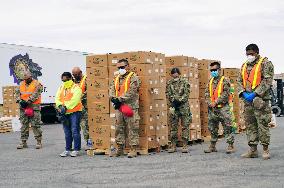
(48, 114)
(276, 110)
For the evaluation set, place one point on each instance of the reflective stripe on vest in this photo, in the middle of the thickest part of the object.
(255, 74)
(214, 95)
(82, 84)
(26, 92)
(66, 95)
(120, 90)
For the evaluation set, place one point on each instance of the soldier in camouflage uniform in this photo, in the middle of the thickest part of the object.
(125, 90)
(254, 82)
(80, 80)
(217, 95)
(177, 92)
(29, 95)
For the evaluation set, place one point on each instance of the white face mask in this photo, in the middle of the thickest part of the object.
(250, 58)
(122, 71)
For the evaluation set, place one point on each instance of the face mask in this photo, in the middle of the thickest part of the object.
(78, 78)
(214, 74)
(250, 58)
(28, 81)
(68, 84)
(122, 71)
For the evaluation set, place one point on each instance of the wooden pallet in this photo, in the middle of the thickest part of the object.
(5, 130)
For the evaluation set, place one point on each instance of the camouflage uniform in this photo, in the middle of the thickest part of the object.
(179, 90)
(35, 121)
(220, 114)
(131, 98)
(84, 117)
(257, 114)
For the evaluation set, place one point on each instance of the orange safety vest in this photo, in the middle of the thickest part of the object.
(66, 95)
(82, 84)
(26, 92)
(255, 74)
(214, 95)
(120, 90)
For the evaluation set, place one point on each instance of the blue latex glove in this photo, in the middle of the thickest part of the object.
(251, 96)
(245, 95)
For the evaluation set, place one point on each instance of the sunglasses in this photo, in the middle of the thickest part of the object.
(214, 70)
(121, 67)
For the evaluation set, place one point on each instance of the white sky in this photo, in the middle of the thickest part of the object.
(214, 29)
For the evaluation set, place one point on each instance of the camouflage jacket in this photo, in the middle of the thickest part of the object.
(267, 74)
(224, 98)
(178, 90)
(32, 98)
(131, 97)
(84, 95)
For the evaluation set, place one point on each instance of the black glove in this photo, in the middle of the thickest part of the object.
(176, 104)
(61, 114)
(116, 103)
(24, 104)
(62, 109)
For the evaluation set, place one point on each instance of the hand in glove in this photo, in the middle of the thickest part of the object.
(62, 109)
(116, 103)
(176, 104)
(245, 94)
(24, 104)
(250, 97)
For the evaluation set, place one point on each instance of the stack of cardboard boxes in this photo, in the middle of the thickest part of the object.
(232, 74)
(5, 124)
(99, 119)
(188, 67)
(150, 68)
(204, 77)
(10, 107)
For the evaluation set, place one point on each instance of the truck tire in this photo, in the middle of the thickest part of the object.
(276, 110)
(48, 114)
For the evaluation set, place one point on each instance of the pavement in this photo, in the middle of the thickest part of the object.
(44, 168)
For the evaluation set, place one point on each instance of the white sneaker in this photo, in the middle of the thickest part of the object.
(65, 154)
(74, 153)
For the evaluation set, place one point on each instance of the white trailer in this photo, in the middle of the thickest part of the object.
(53, 63)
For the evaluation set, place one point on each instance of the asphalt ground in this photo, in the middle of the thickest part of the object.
(44, 168)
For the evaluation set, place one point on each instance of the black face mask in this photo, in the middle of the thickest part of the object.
(77, 78)
(28, 81)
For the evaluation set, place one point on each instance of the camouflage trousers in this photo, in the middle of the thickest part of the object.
(183, 114)
(84, 124)
(127, 127)
(34, 121)
(224, 116)
(257, 116)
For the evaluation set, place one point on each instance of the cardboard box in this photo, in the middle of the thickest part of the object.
(192, 62)
(177, 61)
(97, 61)
(96, 107)
(100, 135)
(114, 58)
(141, 57)
(162, 140)
(204, 64)
(192, 134)
(97, 84)
(143, 69)
(153, 106)
(97, 72)
(194, 88)
(204, 78)
(100, 119)
(193, 73)
(149, 81)
(198, 135)
(98, 96)
(151, 93)
(147, 130)
(231, 72)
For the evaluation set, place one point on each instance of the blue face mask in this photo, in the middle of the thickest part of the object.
(214, 74)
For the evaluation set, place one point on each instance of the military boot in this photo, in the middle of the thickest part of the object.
(212, 148)
(230, 149)
(252, 153)
(117, 152)
(266, 154)
(38, 144)
(133, 152)
(22, 145)
(172, 148)
(184, 147)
